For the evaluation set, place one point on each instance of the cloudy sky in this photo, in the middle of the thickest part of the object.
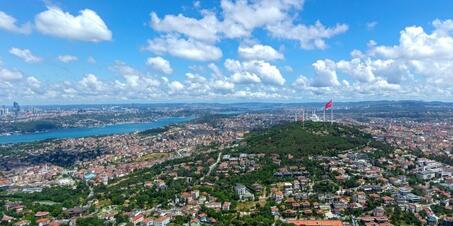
(91, 51)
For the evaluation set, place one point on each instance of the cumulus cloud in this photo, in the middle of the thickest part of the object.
(67, 58)
(204, 29)
(245, 77)
(222, 85)
(33, 82)
(8, 75)
(301, 82)
(130, 74)
(34, 86)
(184, 48)
(416, 44)
(254, 71)
(87, 26)
(175, 86)
(91, 83)
(238, 19)
(259, 52)
(8, 23)
(309, 37)
(216, 72)
(417, 53)
(325, 74)
(242, 17)
(159, 64)
(25, 54)
(420, 63)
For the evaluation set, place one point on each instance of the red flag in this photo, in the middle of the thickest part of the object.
(328, 105)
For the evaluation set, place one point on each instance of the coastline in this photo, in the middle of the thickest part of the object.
(79, 132)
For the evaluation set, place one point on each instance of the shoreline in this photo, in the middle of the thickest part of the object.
(88, 131)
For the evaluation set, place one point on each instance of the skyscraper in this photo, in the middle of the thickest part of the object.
(16, 109)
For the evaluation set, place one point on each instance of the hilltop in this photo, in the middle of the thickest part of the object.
(309, 138)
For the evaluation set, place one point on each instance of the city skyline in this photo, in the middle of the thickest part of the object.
(61, 52)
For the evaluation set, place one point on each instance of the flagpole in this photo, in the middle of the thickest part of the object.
(331, 115)
(324, 115)
(303, 117)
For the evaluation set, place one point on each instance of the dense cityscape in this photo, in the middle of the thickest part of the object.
(214, 169)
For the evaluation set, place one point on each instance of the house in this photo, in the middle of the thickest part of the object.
(147, 222)
(214, 205)
(274, 211)
(137, 217)
(243, 192)
(22, 223)
(76, 211)
(193, 222)
(359, 197)
(388, 200)
(40, 214)
(316, 222)
(54, 223)
(426, 175)
(195, 194)
(161, 221)
(7, 218)
(226, 206)
(448, 221)
(379, 212)
(43, 222)
(277, 196)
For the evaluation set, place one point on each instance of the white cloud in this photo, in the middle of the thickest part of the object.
(309, 37)
(254, 71)
(175, 86)
(204, 29)
(67, 58)
(34, 86)
(131, 75)
(371, 25)
(87, 26)
(10, 75)
(222, 85)
(215, 71)
(417, 53)
(301, 82)
(245, 77)
(415, 43)
(33, 82)
(420, 63)
(325, 74)
(8, 23)
(184, 48)
(159, 64)
(91, 83)
(259, 52)
(357, 69)
(240, 18)
(25, 54)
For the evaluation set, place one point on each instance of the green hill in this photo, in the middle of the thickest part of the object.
(310, 138)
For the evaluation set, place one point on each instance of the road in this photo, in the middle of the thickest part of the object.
(211, 167)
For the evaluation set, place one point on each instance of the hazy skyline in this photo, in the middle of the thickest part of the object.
(68, 52)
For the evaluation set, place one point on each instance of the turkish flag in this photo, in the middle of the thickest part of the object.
(328, 105)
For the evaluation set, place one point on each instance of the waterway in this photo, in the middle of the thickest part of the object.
(90, 131)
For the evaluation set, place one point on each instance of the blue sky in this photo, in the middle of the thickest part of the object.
(228, 50)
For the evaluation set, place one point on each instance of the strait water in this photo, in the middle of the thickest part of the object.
(91, 131)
